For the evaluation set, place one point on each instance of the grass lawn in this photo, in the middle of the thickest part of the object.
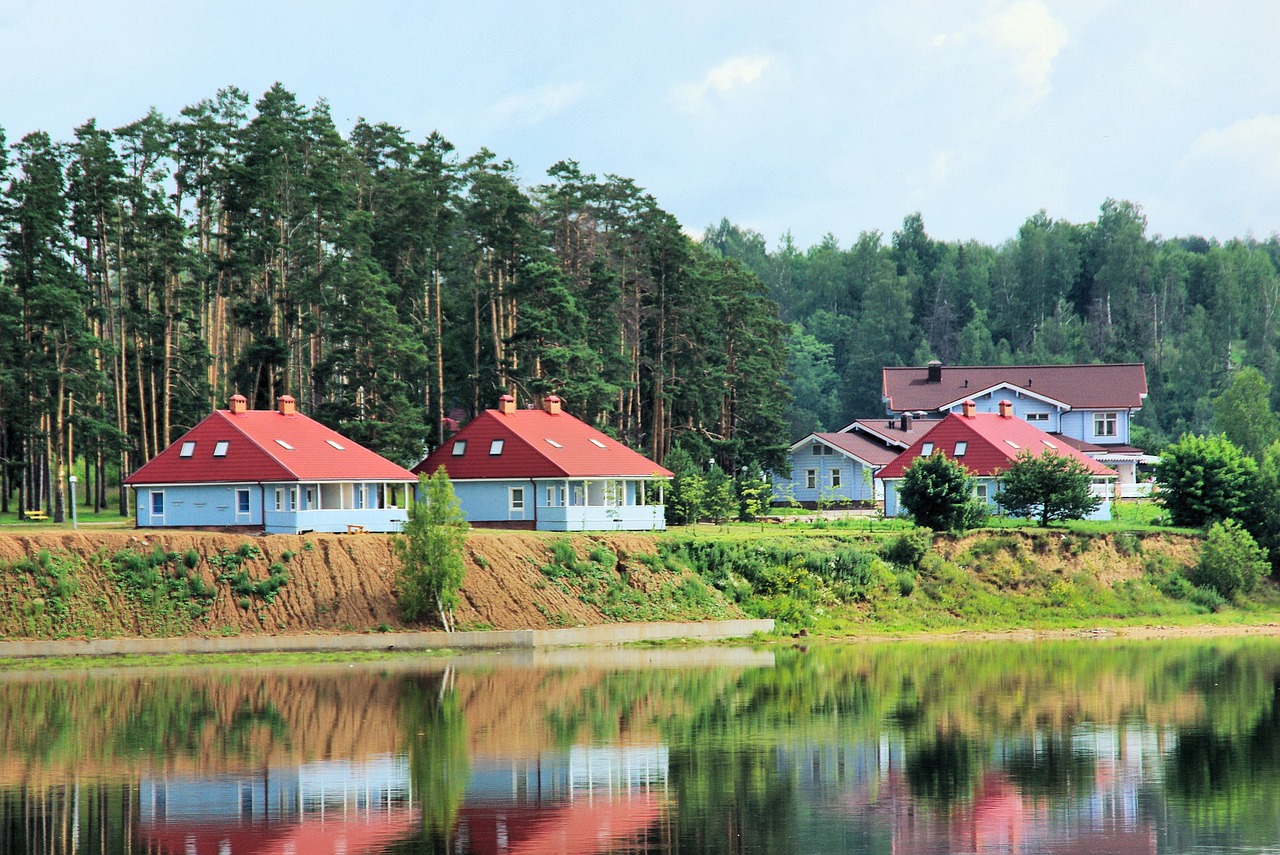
(85, 517)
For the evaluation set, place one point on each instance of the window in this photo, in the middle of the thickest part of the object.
(286, 446)
(1011, 443)
(1049, 444)
(188, 449)
(293, 498)
(495, 447)
(1104, 424)
(980, 491)
(220, 450)
(310, 502)
(961, 448)
(517, 499)
(553, 443)
(157, 503)
(835, 478)
(1037, 417)
(811, 479)
(242, 501)
(926, 449)
(335, 444)
(459, 447)
(597, 443)
(357, 497)
(279, 499)
(820, 450)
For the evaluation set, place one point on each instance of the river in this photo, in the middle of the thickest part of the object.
(1098, 746)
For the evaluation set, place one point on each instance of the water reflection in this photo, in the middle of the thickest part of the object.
(903, 748)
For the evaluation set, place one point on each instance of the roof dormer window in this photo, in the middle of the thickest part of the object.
(220, 449)
(188, 449)
(286, 446)
(336, 444)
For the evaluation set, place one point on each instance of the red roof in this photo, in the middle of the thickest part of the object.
(536, 444)
(1118, 385)
(993, 443)
(255, 453)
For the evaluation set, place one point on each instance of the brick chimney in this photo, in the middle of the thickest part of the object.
(239, 403)
(968, 408)
(1006, 409)
(551, 404)
(935, 371)
(287, 405)
(905, 423)
(507, 405)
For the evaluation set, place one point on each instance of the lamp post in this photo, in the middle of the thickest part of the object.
(72, 480)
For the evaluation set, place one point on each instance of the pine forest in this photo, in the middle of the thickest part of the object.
(395, 286)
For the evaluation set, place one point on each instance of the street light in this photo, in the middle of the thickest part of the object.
(72, 480)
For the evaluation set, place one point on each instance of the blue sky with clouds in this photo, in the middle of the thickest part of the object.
(812, 117)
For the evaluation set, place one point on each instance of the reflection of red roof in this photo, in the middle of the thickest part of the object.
(1118, 386)
(254, 453)
(370, 832)
(536, 444)
(993, 443)
(591, 824)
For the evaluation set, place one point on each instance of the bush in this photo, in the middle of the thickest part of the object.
(908, 548)
(939, 494)
(1231, 562)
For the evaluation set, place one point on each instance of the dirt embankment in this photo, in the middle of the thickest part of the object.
(336, 583)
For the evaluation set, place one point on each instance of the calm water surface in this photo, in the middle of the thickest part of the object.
(1081, 747)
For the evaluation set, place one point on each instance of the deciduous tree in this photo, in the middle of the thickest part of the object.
(431, 551)
(1049, 486)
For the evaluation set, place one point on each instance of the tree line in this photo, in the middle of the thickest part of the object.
(390, 285)
(1194, 310)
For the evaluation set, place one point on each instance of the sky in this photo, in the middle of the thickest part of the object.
(811, 118)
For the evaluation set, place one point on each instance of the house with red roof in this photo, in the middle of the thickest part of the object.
(1090, 406)
(276, 471)
(987, 444)
(544, 469)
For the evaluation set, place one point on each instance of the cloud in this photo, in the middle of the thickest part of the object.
(1249, 148)
(1024, 32)
(1229, 179)
(536, 105)
(729, 75)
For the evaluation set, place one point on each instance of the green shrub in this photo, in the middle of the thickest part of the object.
(1128, 543)
(906, 583)
(1231, 562)
(908, 548)
(190, 559)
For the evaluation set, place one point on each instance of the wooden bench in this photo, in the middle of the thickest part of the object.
(355, 529)
(36, 516)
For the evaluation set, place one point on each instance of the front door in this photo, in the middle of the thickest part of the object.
(515, 503)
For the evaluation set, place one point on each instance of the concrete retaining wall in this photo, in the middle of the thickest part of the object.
(607, 634)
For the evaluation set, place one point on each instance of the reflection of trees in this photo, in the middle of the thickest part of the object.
(1051, 766)
(942, 771)
(730, 797)
(436, 734)
(1228, 781)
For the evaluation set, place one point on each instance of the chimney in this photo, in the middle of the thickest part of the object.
(905, 423)
(1006, 409)
(507, 405)
(239, 403)
(969, 408)
(287, 405)
(935, 371)
(551, 404)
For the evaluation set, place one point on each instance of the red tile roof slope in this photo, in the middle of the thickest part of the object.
(861, 446)
(253, 455)
(1118, 385)
(526, 452)
(988, 453)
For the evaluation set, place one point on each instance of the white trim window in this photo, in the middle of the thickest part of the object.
(811, 479)
(1105, 424)
(835, 479)
(515, 502)
(1037, 417)
(157, 503)
(242, 502)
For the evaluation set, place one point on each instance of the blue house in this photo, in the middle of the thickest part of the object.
(270, 470)
(543, 469)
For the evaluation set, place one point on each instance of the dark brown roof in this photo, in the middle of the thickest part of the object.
(864, 448)
(889, 431)
(1118, 385)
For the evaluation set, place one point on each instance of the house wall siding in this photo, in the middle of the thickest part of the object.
(199, 505)
(893, 505)
(854, 484)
